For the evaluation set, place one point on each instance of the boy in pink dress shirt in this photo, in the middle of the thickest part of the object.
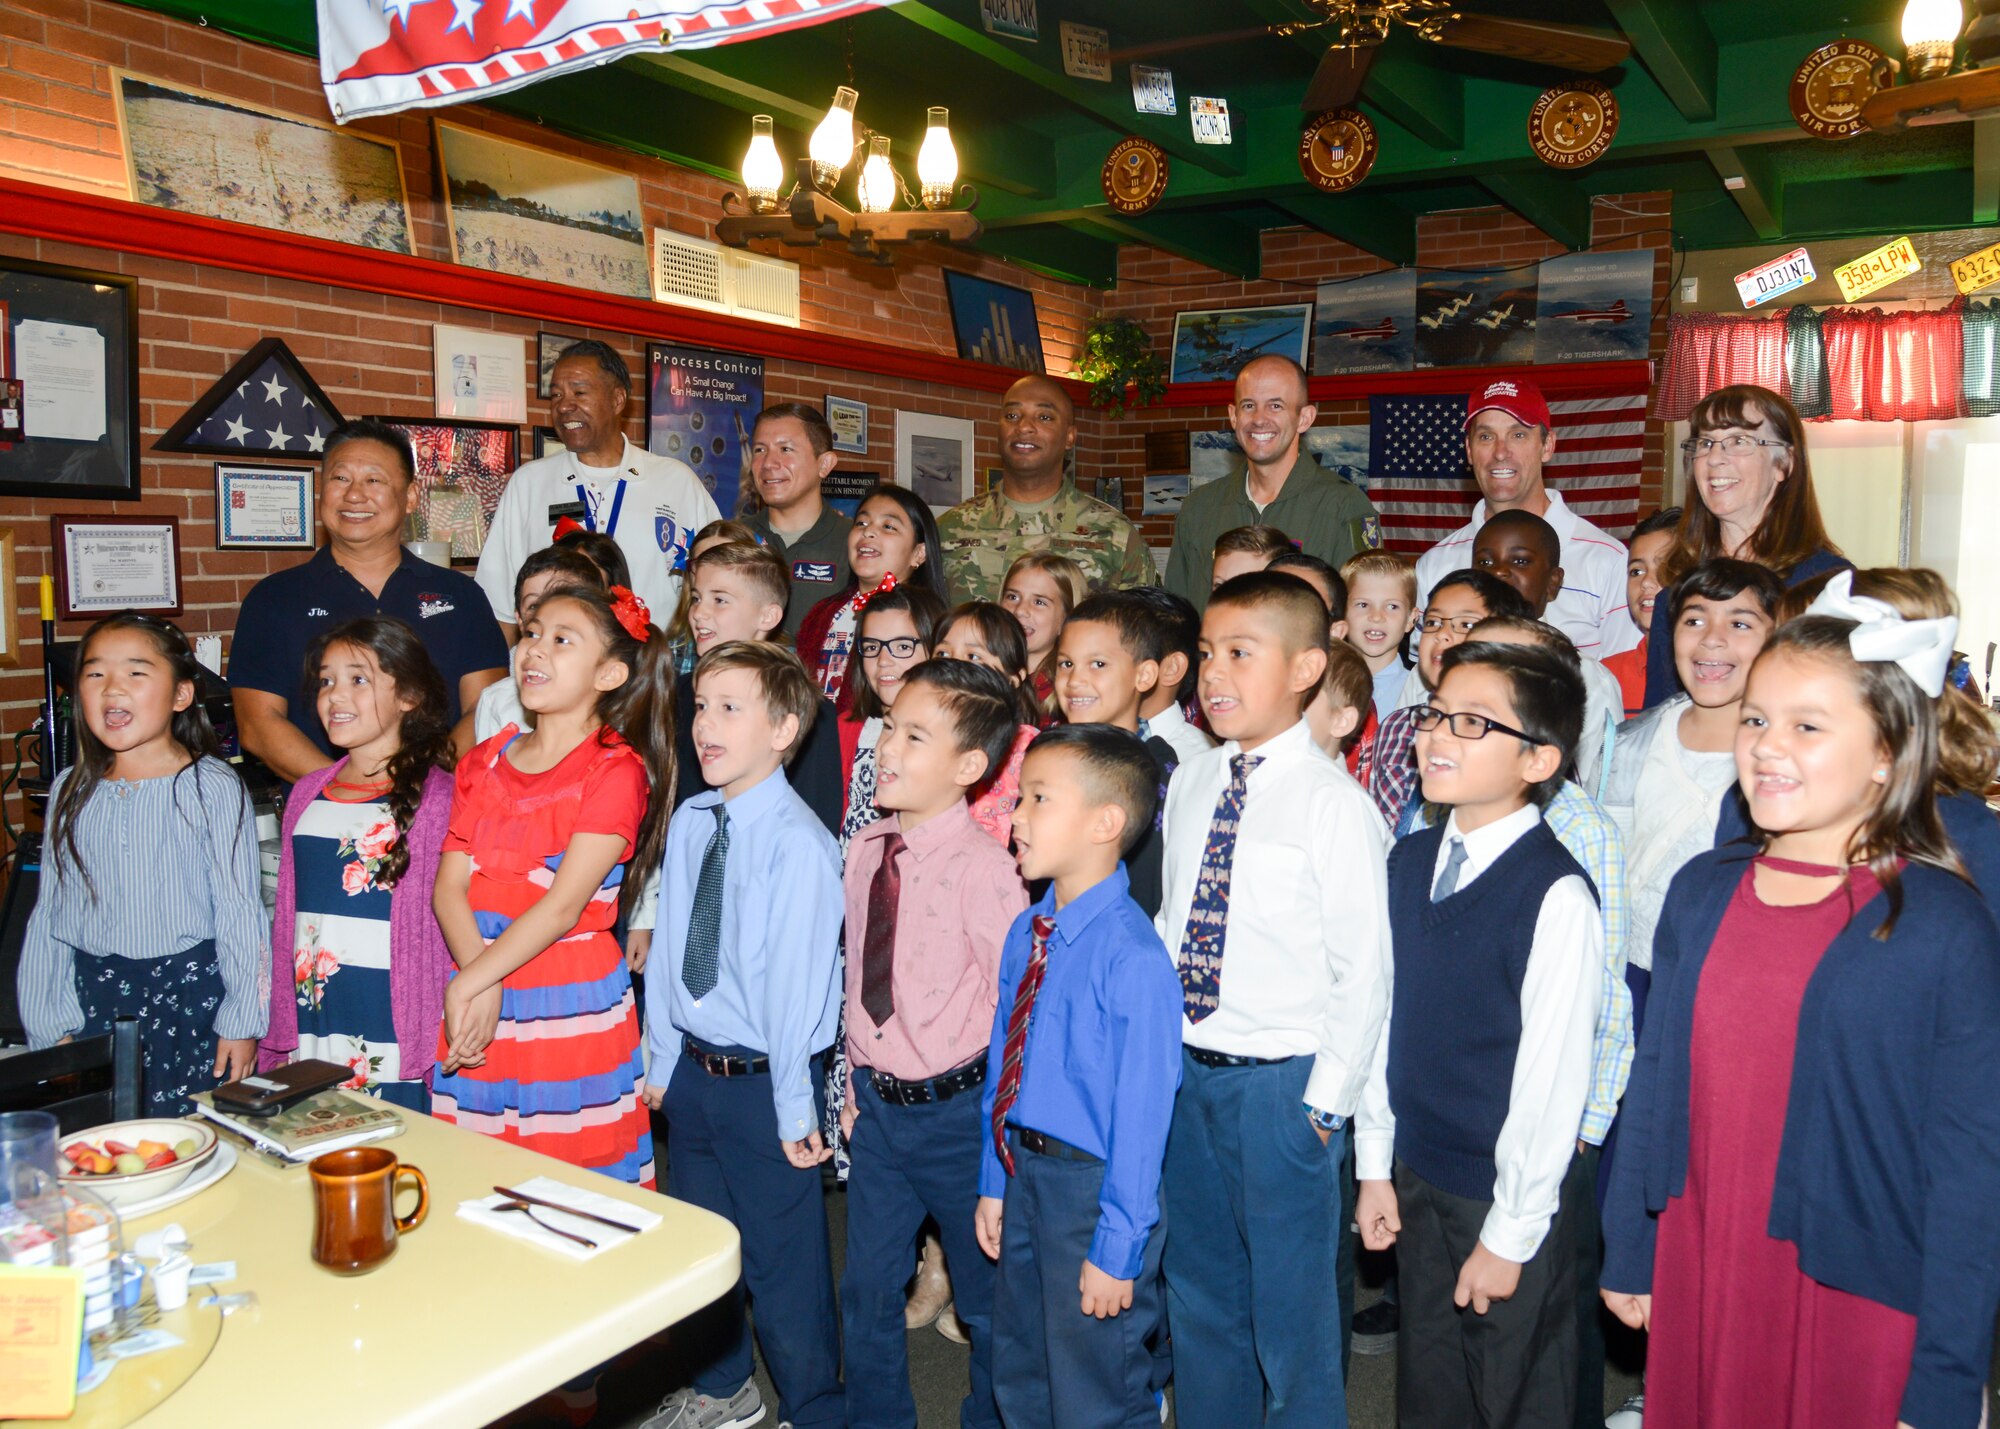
(930, 897)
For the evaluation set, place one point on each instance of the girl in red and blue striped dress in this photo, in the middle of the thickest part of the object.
(541, 1032)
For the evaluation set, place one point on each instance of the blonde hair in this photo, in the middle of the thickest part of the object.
(726, 530)
(763, 567)
(1968, 747)
(1382, 563)
(781, 676)
(1073, 586)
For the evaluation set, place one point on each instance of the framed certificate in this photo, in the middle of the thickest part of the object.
(849, 420)
(105, 564)
(263, 508)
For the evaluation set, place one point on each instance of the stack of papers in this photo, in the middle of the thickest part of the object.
(486, 1212)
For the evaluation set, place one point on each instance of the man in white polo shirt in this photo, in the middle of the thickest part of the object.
(1508, 440)
(650, 505)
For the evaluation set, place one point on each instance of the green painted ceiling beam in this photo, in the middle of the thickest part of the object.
(1370, 222)
(1986, 170)
(1913, 202)
(1073, 255)
(1216, 241)
(1548, 200)
(1041, 66)
(599, 105)
(1673, 42)
(1758, 192)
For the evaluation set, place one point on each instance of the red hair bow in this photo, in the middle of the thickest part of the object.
(567, 525)
(631, 613)
(882, 587)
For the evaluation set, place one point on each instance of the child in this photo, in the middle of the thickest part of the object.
(1341, 707)
(1652, 538)
(1040, 591)
(1276, 907)
(1322, 577)
(359, 963)
(540, 1022)
(741, 1011)
(1246, 549)
(551, 568)
(1462, 599)
(1524, 550)
(929, 898)
(896, 633)
(1084, 1061)
(1801, 1209)
(985, 634)
(149, 906)
(1478, 1091)
(1673, 763)
(1382, 612)
(893, 542)
(680, 639)
(1163, 710)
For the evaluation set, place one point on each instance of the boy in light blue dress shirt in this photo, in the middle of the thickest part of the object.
(742, 1005)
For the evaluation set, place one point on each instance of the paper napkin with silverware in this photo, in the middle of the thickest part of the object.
(564, 1218)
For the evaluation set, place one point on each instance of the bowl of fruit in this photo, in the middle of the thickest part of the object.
(131, 1161)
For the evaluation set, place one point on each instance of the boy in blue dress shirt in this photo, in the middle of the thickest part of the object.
(742, 1005)
(1084, 1064)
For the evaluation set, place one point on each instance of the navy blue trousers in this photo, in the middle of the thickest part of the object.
(1055, 1367)
(909, 1162)
(723, 1155)
(1254, 1205)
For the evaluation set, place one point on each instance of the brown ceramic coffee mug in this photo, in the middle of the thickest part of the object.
(355, 1224)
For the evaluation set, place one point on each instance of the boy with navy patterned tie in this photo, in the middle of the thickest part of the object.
(1276, 906)
(742, 1002)
(1478, 1089)
(1085, 1058)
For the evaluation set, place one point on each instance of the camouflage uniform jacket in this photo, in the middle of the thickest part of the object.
(984, 536)
(1325, 515)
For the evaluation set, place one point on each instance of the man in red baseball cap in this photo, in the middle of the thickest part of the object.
(1509, 438)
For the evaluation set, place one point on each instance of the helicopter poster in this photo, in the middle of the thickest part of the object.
(1210, 345)
(1366, 324)
(1473, 319)
(1595, 307)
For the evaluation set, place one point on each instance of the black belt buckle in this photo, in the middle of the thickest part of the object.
(1230, 1059)
(717, 1064)
(1043, 1144)
(936, 1089)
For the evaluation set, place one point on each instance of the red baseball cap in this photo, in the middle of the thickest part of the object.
(1517, 397)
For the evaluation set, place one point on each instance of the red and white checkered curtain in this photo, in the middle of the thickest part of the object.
(1894, 367)
(1710, 350)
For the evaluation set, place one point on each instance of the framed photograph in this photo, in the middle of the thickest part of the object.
(513, 208)
(10, 618)
(462, 468)
(548, 347)
(1210, 345)
(538, 443)
(72, 337)
(479, 375)
(699, 406)
(263, 508)
(994, 322)
(849, 420)
(934, 457)
(106, 564)
(196, 152)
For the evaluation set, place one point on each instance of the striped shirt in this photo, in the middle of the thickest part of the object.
(174, 863)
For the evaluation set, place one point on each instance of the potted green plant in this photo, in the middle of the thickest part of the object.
(1120, 365)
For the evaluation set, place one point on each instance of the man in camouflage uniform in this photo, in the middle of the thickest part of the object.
(1036, 507)
(1278, 484)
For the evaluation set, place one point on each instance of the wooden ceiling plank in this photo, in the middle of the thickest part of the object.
(1673, 42)
(1758, 191)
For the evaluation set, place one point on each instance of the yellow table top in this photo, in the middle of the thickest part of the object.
(459, 1326)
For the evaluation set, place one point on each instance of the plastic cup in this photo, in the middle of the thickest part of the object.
(28, 1156)
(170, 1282)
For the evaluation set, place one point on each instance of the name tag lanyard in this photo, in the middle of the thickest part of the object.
(589, 504)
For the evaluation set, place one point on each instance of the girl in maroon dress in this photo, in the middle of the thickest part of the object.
(1805, 1206)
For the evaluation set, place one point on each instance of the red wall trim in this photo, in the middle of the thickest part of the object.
(1555, 379)
(36, 211)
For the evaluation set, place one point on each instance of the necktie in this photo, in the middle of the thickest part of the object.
(1454, 860)
(878, 948)
(1145, 730)
(1017, 1039)
(1208, 918)
(704, 940)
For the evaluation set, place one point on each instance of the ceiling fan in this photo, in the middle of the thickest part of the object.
(1360, 27)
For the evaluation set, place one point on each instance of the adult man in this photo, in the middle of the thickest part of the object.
(791, 451)
(650, 505)
(367, 488)
(1036, 506)
(1279, 484)
(1508, 441)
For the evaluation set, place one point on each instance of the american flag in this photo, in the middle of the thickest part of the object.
(272, 410)
(1421, 483)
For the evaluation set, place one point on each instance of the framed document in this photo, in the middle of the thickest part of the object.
(105, 564)
(263, 508)
(480, 375)
(849, 420)
(72, 340)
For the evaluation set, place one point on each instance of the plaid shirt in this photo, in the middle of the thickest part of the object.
(1392, 778)
(1581, 825)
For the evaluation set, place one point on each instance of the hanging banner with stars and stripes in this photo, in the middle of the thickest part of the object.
(379, 56)
(266, 405)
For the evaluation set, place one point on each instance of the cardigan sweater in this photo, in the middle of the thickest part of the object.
(419, 963)
(1662, 679)
(1966, 818)
(1888, 1177)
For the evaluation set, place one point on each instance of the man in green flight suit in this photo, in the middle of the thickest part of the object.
(1279, 484)
(1036, 507)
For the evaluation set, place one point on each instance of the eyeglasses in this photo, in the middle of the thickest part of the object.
(1432, 624)
(1735, 444)
(902, 648)
(1465, 726)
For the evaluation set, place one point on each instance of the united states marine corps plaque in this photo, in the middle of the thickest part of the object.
(1830, 86)
(1135, 176)
(1337, 149)
(1571, 124)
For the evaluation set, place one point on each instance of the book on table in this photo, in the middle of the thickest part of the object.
(326, 1121)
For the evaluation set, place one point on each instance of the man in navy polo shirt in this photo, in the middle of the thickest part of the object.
(791, 453)
(367, 488)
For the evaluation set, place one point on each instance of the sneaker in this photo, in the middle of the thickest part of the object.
(1375, 1328)
(951, 1327)
(687, 1409)
(1629, 1415)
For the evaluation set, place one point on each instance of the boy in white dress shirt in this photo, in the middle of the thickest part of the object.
(1478, 1087)
(1275, 907)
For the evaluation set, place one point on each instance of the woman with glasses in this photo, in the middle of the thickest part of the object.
(1745, 462)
